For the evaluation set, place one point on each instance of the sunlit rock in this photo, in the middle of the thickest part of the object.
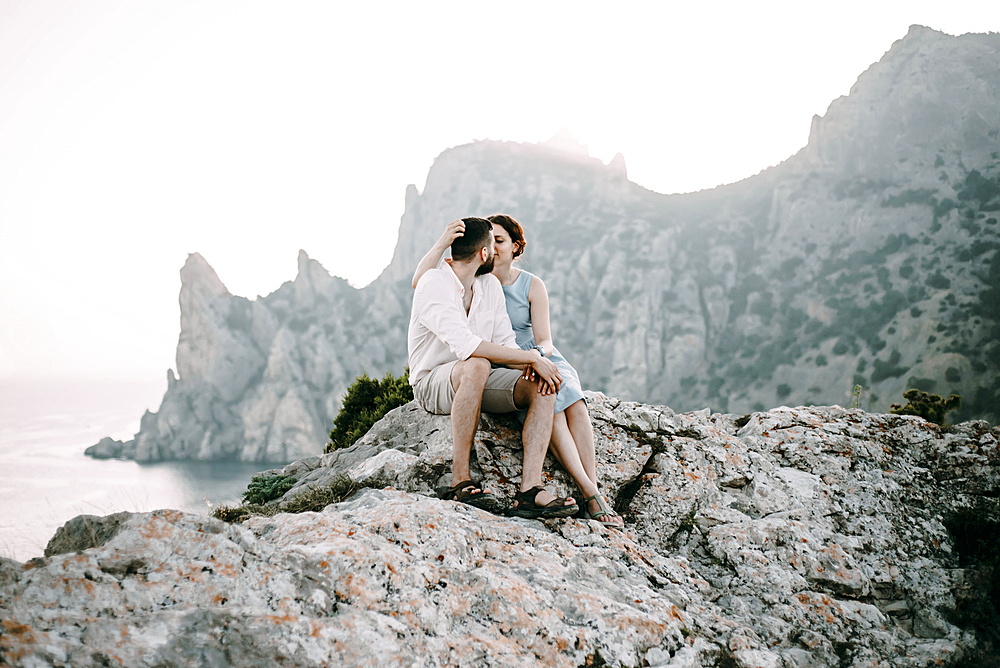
(805, 537)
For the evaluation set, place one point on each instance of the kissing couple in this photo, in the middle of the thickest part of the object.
(480, 339)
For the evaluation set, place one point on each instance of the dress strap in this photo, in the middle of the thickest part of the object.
(526, 288)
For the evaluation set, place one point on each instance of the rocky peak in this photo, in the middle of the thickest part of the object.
(565, 141)
(214, 346)
(198, 276)
(929, 92)
(617, 166)
(314, 281)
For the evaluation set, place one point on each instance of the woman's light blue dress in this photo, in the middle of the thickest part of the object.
(519, 311)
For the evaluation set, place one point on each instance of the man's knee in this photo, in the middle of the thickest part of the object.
(543, 399)
(475, 370)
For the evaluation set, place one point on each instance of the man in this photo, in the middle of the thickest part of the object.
(458, 326)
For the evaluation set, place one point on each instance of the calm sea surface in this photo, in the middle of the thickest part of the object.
(45, 479)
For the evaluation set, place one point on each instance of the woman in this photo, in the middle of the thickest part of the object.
(528, 307)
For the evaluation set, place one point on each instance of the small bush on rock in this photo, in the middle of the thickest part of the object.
(318, 498)
(267, 488)
(231, 514)
(366, 402)
(930, 407)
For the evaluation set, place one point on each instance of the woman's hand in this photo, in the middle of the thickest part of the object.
(452, 231)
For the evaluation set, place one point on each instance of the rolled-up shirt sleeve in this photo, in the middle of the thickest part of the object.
(444, 318)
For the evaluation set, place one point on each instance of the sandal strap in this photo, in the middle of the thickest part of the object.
(528, 495)
(455, 491)
(604, 511)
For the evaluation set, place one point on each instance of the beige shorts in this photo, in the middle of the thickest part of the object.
(435, 392)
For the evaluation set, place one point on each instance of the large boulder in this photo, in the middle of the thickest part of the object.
(816, 536)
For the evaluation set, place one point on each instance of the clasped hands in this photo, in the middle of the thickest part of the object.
(545, 372)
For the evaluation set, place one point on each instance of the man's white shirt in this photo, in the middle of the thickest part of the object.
(441, 332)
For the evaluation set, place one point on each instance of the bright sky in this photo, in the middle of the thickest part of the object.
(133, 133)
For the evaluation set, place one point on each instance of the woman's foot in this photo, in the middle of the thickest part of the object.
(599, 510)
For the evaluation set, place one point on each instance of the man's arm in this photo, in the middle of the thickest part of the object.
(544, 367)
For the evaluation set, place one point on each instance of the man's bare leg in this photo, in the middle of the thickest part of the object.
(535, 435)
(468, 378)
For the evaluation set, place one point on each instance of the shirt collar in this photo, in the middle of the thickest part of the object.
(454, 277)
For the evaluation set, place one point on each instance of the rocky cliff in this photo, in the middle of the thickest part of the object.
(800, 537)
(868, 258)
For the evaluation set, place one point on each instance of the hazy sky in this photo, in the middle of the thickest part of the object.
(133, 133)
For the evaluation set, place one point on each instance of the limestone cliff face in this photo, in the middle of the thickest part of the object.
(810, 537)
(868, 258)
(260, 380)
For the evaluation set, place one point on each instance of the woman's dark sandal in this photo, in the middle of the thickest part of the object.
(526, 506)
(603, 515)
(462, 492)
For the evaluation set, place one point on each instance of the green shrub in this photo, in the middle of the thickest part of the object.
(889, 369)
(267, 488)
(312, 499)
(366, 402)
(930, 407)
(979, 188)
(938, 281)
(922, 384)
(318, 498)
(921, 196)
(231, 514)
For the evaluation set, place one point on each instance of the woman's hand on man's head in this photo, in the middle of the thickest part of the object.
(452, 231)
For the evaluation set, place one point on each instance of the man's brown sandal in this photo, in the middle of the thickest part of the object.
(462, 492)
(526, 506)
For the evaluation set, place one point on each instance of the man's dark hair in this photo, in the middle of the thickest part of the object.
(477, 235)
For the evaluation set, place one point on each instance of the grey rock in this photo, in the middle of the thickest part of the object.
(84, 532)
(10, 571)
(836, 552)
(106, 448)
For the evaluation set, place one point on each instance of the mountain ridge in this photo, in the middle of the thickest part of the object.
(869, 257)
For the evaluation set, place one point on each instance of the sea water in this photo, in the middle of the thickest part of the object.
(45, 479)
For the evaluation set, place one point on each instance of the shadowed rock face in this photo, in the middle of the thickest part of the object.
(797, 537)
(868, 258)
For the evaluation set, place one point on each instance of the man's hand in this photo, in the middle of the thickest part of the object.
(548, 375)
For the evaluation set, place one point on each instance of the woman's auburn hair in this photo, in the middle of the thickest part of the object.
(513, 229)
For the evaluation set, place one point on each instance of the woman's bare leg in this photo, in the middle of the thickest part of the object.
(566, 450)
(582, 432)
(578, 420)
